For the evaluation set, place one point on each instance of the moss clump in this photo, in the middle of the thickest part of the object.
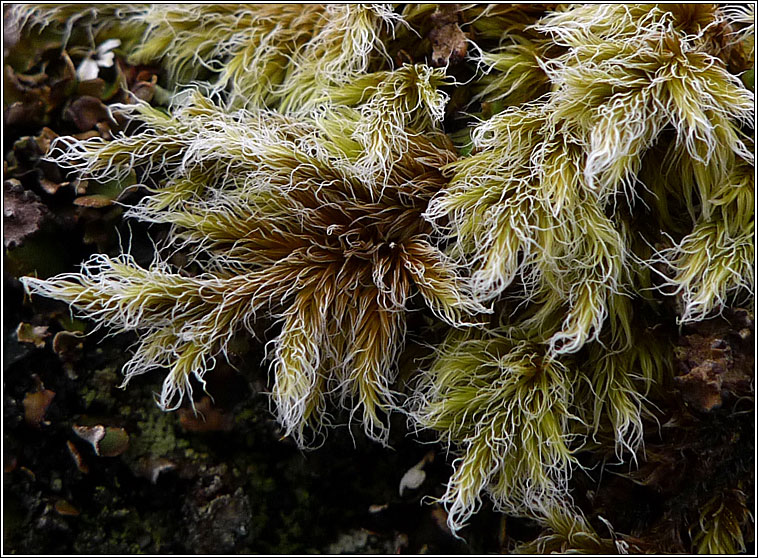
(309, 178)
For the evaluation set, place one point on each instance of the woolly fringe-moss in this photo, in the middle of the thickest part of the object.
(320, 189)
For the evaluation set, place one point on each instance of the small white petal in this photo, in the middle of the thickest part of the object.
(412, 479)
(106, 60)
(87, 70)
(108, 46)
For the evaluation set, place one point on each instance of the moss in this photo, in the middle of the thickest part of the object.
(98, 389)
(310, 179)
(157, 436)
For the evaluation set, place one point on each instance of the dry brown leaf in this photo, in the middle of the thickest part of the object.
(36, 405)
(36, 335)
(448, 41)
(206, 418)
